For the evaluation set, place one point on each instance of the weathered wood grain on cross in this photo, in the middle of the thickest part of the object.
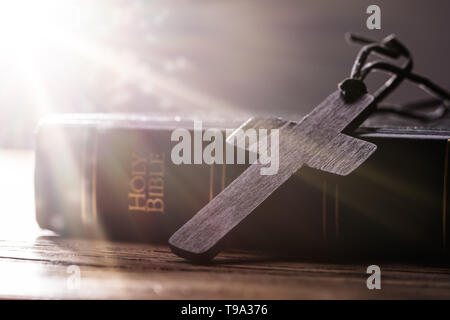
(315, 141)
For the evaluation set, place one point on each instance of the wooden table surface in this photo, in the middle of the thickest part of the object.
(38, 264)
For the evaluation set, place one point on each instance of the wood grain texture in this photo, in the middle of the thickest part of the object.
(315, 140)
(340, 156)
(35, 267)
(38, 269)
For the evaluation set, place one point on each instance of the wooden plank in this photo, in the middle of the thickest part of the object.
(201, 237)
(38, 269)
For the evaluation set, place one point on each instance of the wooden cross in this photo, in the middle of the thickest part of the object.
(315, 141)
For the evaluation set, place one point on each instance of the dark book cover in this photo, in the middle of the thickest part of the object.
(111, 176)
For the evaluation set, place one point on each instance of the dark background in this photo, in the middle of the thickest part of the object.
(228, 58)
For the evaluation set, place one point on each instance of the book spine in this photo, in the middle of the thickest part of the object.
(120, 183)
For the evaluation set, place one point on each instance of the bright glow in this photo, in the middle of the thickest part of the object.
(59, 52)
(31, 37)
(17, 205)
(31, 26)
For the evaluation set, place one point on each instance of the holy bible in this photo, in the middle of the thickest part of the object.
(111, 176)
